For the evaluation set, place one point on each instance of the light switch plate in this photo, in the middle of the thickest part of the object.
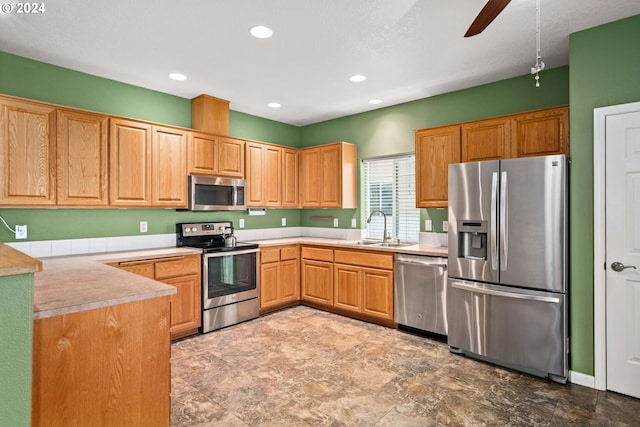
(354, 223)
(241, 223)
(445, 225)
(284, 222)
(428, 225)
(335, 222)
(21, 231)
(144, 226)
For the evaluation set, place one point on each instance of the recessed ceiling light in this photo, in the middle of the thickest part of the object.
(261, 32)
(177, 76)
(274, 105)
(358, 78)
(375, 101)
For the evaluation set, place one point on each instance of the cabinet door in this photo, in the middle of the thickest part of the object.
(169, 167)
(269, 279)
(27, 153)
(230, 157)
(377, 293)
(185, 304)
(331, 176)
(83, 151)
(486, 140)
(272, 176)
(541, 133)
(317, 281)
(289, 280)
(310, 169)
(203, 154)
(435, 150)
(290, 192)
(255, 174)
(129, 163)
(347, 287)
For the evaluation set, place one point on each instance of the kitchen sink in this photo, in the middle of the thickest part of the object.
(378, 243)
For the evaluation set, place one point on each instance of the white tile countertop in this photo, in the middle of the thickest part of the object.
(83, 282)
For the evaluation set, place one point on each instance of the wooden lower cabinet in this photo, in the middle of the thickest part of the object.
(183, 272)
(317, 275)
(360, 287)
(104, 367)
(279, 277)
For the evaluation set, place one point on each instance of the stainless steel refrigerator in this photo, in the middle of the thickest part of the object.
(507, 285)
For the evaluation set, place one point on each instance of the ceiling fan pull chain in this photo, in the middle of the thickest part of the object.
(539, 66)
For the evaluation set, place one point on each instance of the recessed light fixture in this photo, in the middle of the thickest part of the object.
(274, 105)
(177, 76)
(261, 32)
(375, 101)
(357, 78)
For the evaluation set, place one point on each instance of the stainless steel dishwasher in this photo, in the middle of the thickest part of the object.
(420, 292)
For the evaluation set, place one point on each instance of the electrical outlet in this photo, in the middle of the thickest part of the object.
(143, 226)
(284, 222)
(241, 223)
(354, 223)
(445, 225)
(335, 222)
(428, 225)
(21, 231)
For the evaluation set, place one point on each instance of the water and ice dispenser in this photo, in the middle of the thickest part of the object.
(472, 239)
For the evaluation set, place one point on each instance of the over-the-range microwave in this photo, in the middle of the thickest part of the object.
(212, 193)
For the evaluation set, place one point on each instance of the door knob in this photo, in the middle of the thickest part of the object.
(618, 266)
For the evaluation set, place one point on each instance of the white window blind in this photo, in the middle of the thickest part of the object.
(390, 186)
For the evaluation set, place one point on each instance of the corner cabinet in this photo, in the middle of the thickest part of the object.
(148, 165)
(27, 153)
(435, 149)
(182, 272)
(328, 176)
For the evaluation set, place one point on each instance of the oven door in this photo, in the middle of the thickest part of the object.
(229, 277)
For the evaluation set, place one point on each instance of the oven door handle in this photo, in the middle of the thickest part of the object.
(230, 253)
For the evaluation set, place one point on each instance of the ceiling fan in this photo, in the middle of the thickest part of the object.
(486, 16)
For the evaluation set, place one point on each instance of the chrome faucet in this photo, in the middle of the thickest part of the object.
(385, 235)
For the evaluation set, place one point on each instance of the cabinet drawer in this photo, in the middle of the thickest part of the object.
(141, 269)
(180, 266)
(269, 255)
(317, 253)
(365, 259)
(289, 252)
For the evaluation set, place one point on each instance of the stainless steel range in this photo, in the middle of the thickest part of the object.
(230, 280)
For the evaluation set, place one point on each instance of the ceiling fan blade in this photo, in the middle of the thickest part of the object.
(486, 16)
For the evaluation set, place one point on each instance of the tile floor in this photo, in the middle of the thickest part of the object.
(303, 366)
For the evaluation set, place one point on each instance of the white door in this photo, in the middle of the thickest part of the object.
(623, 247)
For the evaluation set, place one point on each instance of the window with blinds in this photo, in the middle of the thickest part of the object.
(390, 186)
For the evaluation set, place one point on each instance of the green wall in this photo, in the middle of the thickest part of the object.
(16, 336)
(605, 70)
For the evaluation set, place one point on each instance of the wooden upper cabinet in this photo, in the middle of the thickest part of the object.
(328, 176)
(27, 153)
(486, 140)
(290, 188)
(230, 157)
(203, 154)
(129, 163)
(539, 133)
(83, 162)
(169, 167)
(264, 175)
(435, 149)
(255, 172)
(210, 114)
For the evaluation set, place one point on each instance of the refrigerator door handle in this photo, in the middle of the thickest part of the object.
(493, 244)
(504, 231)
(487, 291)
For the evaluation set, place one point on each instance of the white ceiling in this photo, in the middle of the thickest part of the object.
(408, 49)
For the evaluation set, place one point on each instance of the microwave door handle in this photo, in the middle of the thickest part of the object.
(493, 241)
